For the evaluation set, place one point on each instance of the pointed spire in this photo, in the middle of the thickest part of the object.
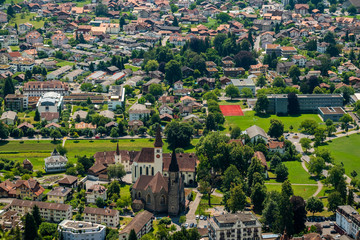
(158, 140)
(117, 150)
(174, 166)
(55, 152)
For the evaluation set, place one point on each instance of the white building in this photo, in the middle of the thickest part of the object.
(55, 163)
(94, 192)
(255, 132)
(234, 226)
(109, 217)
(50, 102)
(79, 230)
(347, 220)
(59, 72)
(116, 96)
(244, 83)
(138, 112)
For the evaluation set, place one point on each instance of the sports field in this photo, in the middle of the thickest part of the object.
(231, 110)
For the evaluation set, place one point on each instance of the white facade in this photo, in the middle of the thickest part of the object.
(244, 83)
(50, 102)
(109, 217)
(148, 168)
(79, 230)
(138, 111)
(55, 163)
(348, 219)
(94, 193)
(117, 97)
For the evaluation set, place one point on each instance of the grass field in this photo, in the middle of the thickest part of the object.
(201, 210)
(346, 150)
(18, 20)
(231, 102)
(36, 151)
(133, 68)
(297, 174)
(250, 119)
(14, 48)
(303, 191)
(81, 4)
(61, 63)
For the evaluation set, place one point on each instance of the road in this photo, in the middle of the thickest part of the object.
(257, 43)
(163, 41)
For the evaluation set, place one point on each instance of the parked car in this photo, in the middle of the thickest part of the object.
(205, 217)
(333, 231)
(191, 225)
(186, 225)
(201, 217)
(197, 217)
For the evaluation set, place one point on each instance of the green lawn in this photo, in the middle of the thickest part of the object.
(297, 174)
(250, 119)
(33, 150)
(61, 63)
(203, 206)
(14, 48)
(303, 191)
(231, 102)
(18, 20)
(36, 151)
(81, 4)
(133, 68)
(346, 150)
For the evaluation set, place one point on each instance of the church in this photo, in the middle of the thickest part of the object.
(147, 161)
(160, 194)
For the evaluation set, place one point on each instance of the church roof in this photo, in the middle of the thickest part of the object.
(156, 183)
(145, 155)
(174, 166)
(186, 161)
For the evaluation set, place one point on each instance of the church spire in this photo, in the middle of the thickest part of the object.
(174, 166)
(117, 149)
(158, 141)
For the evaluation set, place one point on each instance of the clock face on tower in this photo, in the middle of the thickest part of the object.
(157, 155)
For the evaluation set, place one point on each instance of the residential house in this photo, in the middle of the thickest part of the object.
(50, 212)
(255, 132)
(299, 60)
(27, 165)
(59, 39)
(273, 48)
(33, 37)
(138, 112)
(94, 192)
(55, 163)
(142, 224)
(109, 217)
(284, 67)
(28, 189)
(244, 83)
(9, 117)
(68, 181)
(233, 71)
(59, 194)
(276, 147)
(76, 230)
(81, 113)
(165, 109)
(3, 17)
(25, 27)
(302, 9)
(322, 47)
(288, 51)
(17, 102)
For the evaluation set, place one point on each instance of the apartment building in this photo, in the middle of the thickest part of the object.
(234, 226)
(59, 194)
(51, 212)
(109, 217)
(116, 96)
(308, 103)
(58, 73)
(347, 221)
(50, 102)
(80, 230)
(142, 224)
(38, 88)
(94, 192)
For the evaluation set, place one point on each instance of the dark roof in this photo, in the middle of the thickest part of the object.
(46, 205)
(138, 222)
(145, 155)
(158, 140)
(156, 183)
(174, 166)
(68, 180)
(101, 211)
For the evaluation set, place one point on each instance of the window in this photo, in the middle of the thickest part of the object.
(152, 171)
(148, 199)
(147, 171)
(140, 170)
(139, 194)
(162, 200)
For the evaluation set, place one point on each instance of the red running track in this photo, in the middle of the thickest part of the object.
(231, 110)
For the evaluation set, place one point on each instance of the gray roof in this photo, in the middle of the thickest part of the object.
(59, 191)
(242, 82)
(9, 115)
(108, 114)
(82, 114)
(255, 131)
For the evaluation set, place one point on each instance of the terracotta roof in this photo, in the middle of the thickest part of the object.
(25, 124)
(276, 144)
(97, 167)
(138, 222)
(186, 161)
(156, 183)
(101, 211)
(32, 184)
(49, 116)
(259, 155)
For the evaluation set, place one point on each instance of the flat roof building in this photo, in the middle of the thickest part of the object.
(332, 113)
(80, 230)
(244, 83)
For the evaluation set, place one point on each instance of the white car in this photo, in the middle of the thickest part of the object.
(201, 217)
(197, 217)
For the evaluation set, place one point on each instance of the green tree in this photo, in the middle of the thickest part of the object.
(316, 165)
(314, 205)
(174, 8)
(352, 10)
(87, 162)
(261, 104)
(55, 133)
(31, 229)
(116, 171)
(237, 199)
(178, 134)
(37, 115)
(36, 214)
(235, 132)
(10, 12)
(279, 82)
(334, 200)
(231, 175)
(4, 132)
(101, 10)
(294, 73)
(223, 17)
(276, 128)
(8, 86)
(156, 89)
(258, 195)
(232, 91)
(48, 229)
(261, 81)
(293, 104)
(247, 93)
(299, 212)
(309, 126)
(286, 189)
(151, 65)
(270, 214)
(173, 71)
(281, 172)
(100, 203)
(305, 144)
(336, 176)
(346, 119)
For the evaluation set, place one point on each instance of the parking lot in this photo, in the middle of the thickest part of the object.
(327, 225)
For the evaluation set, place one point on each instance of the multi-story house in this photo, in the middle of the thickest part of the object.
(3, 17)
(109, 217)
(17, 102)
(142, 224)
(116, 96)
(59, 39)
(25, 27)
(55, 163)
(299, 60)
(29, 189)
(347, 221)
(51, 212)
(34, 37)
(138, 112)
(38, 88)
(80, 230)
(94, 192)
(234, 226)
(59, 194)
(322, 47)
(50, 102)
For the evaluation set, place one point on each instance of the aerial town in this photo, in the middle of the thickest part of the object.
(179, 120)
